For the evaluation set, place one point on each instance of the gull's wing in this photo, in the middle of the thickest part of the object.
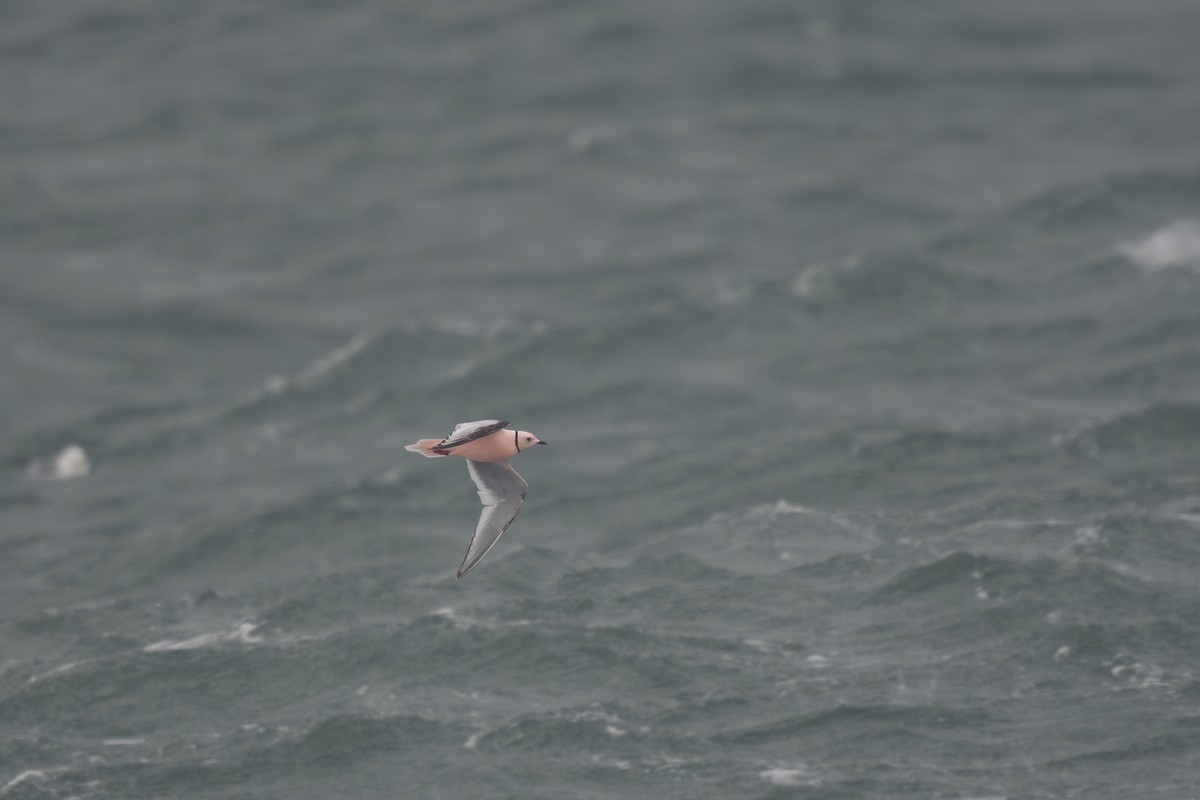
(502, 491)
(470, 431)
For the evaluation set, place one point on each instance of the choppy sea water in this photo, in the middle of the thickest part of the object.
(866, 338)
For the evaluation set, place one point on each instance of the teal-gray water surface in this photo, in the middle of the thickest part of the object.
(866, 338)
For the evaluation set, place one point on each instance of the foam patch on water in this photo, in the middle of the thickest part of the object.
(29, 775)
(613, 725)
(242, 634)
(70, 462)
(489, 330)
(458, 620)
(314, 372)
(1133, 672)
(781, 508)
(1176, 245)
(818, 281)
(463, 622)
(785, 776)
(59, 670)
(784, 509)
(980, 592)
(613, 763)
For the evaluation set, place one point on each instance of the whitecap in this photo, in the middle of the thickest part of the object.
(70, 462)
(818, 281)
(331, 360)
(1175, 245)
(29, 775)
(781, 508)
(615, 763)
(59, 670)
(457, 620)
(242, 634)
(784, 776)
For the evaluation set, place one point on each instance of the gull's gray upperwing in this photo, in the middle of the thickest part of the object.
(502, 491)
(470, 431)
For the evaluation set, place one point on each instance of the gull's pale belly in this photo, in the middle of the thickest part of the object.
(498, 446)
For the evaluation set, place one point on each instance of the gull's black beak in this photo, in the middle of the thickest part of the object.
(541, 442)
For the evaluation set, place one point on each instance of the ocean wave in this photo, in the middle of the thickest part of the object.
(932, 447)
(965, 576)
(421, 355)
(346, 738)
(1160, 430)
(1010, 349)
(1091, 232)
(1170, 328)
(593, 725)
(1109, 200)
(888, 281)
(1162, 375)
(865, 721)
(768, 537)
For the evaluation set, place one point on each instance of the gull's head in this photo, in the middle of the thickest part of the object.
(527, 439)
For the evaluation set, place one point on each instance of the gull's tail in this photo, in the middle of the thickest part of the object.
(425, 448)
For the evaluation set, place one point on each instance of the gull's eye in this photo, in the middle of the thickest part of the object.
(529, 438)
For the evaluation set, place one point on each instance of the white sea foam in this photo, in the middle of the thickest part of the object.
(785, 776)
(59, 670)
(463, 622)
(70, 462)
(1133, 672)
(459, 621)
(242, 634)
(615, 763)
(1175, 245)
(817, 281)
(980, 592)
(29, 775)
(331, 361)
(614, 726)
(782, 508)
(583, 140)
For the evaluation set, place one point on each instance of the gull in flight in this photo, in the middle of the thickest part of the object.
(487, 446)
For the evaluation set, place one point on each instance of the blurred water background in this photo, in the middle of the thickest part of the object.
(866, 337)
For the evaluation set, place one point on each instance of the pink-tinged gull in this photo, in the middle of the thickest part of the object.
(487, 446)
